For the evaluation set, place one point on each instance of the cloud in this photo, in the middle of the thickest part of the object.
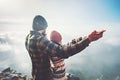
(113, 41)
(14, 54)
(5, 47)
(15, 23)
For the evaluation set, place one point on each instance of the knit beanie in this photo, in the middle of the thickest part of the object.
(39, 23)
(55, 36)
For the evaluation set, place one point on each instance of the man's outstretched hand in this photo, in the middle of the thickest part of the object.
(95, 35)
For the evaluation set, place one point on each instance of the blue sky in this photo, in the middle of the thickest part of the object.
(72, 18)
(62, 15)
(60, 12)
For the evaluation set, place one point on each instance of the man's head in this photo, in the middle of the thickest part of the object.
(55, 36)
(39, 23)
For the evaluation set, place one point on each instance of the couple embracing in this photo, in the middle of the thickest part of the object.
(44, 53)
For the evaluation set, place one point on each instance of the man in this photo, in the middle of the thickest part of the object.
(41, 49)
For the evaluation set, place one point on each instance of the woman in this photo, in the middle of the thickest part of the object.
(58, 65)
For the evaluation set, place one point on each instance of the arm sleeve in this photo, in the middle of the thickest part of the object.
(63, 51)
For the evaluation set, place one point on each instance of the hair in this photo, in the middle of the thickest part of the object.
(55, 36)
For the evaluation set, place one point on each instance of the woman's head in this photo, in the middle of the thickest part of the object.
(55, 36)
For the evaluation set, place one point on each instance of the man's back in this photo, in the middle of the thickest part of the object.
(40, 60)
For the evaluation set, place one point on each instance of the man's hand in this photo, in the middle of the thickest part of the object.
(95, 35)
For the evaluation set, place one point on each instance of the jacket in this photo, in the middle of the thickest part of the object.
(41, 49)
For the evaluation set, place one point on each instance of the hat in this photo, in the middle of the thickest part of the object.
(55, 36)
(39, 23)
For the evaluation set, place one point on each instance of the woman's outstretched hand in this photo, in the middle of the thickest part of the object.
(95, 35)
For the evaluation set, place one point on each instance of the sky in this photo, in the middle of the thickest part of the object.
(72, 18)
